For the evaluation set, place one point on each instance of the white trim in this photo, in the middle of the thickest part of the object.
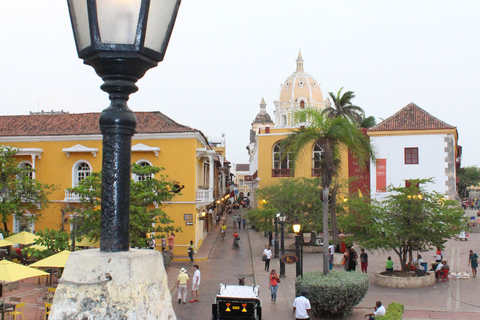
(33, 152)
(80, 148)
(74, 170)
(140, 147)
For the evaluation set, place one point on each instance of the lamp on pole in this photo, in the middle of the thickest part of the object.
(298, 243)
(281, 218)
(121, 40)
(276, 234)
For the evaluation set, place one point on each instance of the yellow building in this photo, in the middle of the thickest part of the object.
(64, 148)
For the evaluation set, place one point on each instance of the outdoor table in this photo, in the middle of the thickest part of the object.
(6, 307)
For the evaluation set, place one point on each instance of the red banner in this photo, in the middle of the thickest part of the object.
(381, 175)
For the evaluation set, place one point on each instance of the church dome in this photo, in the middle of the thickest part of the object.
(263, 117)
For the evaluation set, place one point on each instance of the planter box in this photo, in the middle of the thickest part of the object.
(405, 282)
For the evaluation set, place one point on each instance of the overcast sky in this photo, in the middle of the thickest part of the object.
(224, 56)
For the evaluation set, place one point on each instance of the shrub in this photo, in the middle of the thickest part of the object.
(334, 295)
(394, 312)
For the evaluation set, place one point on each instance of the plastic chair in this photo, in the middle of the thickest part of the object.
(445, 274)
(48, 307)
(18, 311)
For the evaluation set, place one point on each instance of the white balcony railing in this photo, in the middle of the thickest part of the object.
(71, 196)
(204, 194)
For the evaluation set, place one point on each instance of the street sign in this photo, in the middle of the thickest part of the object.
(289, 259)
(189, 223)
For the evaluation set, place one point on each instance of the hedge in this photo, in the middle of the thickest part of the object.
(394, 312)
(334, 295)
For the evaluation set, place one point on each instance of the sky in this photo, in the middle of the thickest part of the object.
(225, 56)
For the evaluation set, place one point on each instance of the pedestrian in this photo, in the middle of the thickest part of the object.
(331, 251)
(236, 237)
(301, 307)
(239, 220)
(182, 286)
(171, 240)
(164, 243)
(389, 264)
(243, 223)
(274, 281)
(363, 260)
(438, 270)
(191, 251)
(352, 259)
(345, 260)
(379, 311)
(195, 283)
(234, 218)
(438, 255)
(267, 255)
(472, 261)
(217, 221)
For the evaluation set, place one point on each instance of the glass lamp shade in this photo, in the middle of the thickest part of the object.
(123, 26)
(296, 227)
(5, 193)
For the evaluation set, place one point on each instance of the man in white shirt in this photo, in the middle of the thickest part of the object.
(301, 307)
(267, 253)
(379, 311)
(438, 270)
(195, 283)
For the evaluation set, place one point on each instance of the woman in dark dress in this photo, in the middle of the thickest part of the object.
(352, 260)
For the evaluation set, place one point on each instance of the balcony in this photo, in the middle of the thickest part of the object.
(316, 172)
(276, 173)
(71, 196)
(204, 195)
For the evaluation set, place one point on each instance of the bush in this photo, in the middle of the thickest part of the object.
(334, 295)
(394, 312)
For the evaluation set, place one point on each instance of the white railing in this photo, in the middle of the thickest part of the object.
(204, 194)
(71, 196)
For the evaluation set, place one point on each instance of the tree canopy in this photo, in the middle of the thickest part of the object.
(407, 219)
(343, 107)
(147, 194)
(26, 196)
(468, 176)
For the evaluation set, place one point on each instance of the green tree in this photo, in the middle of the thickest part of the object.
(25, 194)
(53, 240)
(146, 197)
(407, 219)
(468, 176)
(298, 198)
(331, 134)
(368, 122)
(343, 107)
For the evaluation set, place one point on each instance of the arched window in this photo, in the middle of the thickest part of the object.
(281, 162)
(28, 169)
(145, 176)
(302, 104)
(317, 159)
(82, 170)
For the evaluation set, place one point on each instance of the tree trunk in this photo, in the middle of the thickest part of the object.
(333, 214)
(325, 231)
(5, 227)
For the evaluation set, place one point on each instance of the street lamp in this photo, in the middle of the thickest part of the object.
(298, 244)
(281, 218)
(276, 234)
(121, 40)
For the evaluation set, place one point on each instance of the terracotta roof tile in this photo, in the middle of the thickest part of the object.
(82, 124)
(411, 117)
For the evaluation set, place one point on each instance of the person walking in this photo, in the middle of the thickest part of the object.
(363, 260)
(301, 307)
(182, 286)
(267, 255)
(352, 259)
(195, 283)
(345, 260)
(191, 251)
(472, 261)
(234, 218)
(379, 311)
(243, 223)
(236, 237)
(171, 240)
(274, 281)
(239, 220)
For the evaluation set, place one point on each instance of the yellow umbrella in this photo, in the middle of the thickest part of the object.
(87, 243)
(38, 247)
(10, 271)
(6, 243)
(23, 238)
(56, 261)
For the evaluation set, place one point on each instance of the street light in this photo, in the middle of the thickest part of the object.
(298, 246)
(281, 218)
(121, 40)
(276, 234)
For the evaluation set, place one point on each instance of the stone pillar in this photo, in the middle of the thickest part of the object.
(137, 290)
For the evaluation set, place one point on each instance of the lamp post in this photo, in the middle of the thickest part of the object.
(121, 40)
(296, 228)
(281, 218)
(276, 234)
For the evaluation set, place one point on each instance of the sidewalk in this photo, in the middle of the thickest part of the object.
(456, 299)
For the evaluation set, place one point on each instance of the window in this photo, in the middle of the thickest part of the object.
(28, 169)
(145, 176)
(408, 184)
(317, 159)
(281, 162)
(411, 155)
(82, 170)
(302, 104)
(240, 183)
(25, 223)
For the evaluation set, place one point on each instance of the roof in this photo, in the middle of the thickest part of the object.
(411, 117)
(56, 124)
(242, 167)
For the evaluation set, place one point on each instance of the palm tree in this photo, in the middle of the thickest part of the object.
(368, 122)
(343, 107)
(331, 134)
